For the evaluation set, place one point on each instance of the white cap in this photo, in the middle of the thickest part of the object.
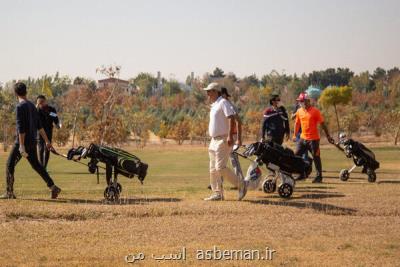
(212, 86)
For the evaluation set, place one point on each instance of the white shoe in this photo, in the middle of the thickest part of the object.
(243, 189)
(215, 197)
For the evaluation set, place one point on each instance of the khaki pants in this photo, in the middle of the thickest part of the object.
(219, 153)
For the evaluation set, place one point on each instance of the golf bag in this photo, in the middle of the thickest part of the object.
(271, 154)
(362, 157)
(117, 161)
(282, 164)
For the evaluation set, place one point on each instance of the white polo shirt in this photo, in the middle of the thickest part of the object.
(219, 113)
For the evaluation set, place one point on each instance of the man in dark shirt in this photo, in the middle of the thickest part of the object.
(28, 125)
(276, 123)
(48, 117)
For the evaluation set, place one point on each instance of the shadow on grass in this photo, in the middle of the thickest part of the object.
(318, 207)
(313, 187)
(351, 177)
(121, 201)
(389, 182)
(312, 195)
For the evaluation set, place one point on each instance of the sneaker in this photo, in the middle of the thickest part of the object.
(317, 180)
(243, 189)
(55, 191)
(215, 197)
(209, 187)
(8, 195)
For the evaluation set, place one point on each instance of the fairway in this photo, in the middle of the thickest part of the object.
(337, 223)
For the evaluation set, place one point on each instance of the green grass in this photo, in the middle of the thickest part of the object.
(334, 223)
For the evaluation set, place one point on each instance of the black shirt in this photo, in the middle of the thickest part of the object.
(48, 116)
(27, 122)
(275, 123)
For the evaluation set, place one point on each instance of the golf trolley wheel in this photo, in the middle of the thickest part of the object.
(371, 176)
(269, 186)
(119, 187)
(285, 190)
(344, 175)
(111, 193)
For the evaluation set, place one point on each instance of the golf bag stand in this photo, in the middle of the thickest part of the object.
(117, 161)
(361, 155)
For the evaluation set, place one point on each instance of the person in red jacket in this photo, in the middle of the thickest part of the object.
(275, 125)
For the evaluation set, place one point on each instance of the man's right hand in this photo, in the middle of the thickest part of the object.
(23, 151)
(330, 139)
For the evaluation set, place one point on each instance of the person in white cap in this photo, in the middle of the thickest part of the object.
(220, 128)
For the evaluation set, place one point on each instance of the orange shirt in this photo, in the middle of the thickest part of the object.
(309, 120)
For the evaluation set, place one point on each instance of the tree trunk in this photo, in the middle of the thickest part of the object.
(77, 107)
(337, 120)
(396, 137)
(5, 141)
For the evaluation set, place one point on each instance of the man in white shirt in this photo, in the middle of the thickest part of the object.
(222, 120)
(237, 134)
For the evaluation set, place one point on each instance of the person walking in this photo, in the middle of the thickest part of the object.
(48, 117)
(308, 118)
(237, 136)
(28, 125)
(222, 117)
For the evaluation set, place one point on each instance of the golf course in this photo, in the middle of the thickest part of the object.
(353, 223)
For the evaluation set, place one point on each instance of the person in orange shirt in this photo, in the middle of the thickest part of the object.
(308, 118)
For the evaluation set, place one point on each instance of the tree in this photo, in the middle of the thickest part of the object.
(113, 95)
(163, 131)
(276, 81)
(7, 117)
(252, 124)
(379, 74)
(61, 136)
(330, 77)
(218, 73)
(252, 80)
(180, 131)
(334, 96)
(145, 82)
(140, 124)
(362, 82)
(171, 87)
(200, 128)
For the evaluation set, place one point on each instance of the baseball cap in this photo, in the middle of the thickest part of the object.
(212, 86)
(302, 97)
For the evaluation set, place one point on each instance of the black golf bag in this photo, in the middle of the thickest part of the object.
(362, 157)
(272, 153)
(282, 162)
(117, 161)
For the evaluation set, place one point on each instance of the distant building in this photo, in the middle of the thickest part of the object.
(112, 82)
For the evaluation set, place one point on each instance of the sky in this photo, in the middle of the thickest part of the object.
(176, 37)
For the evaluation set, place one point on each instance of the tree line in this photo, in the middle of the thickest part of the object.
(364, 102)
